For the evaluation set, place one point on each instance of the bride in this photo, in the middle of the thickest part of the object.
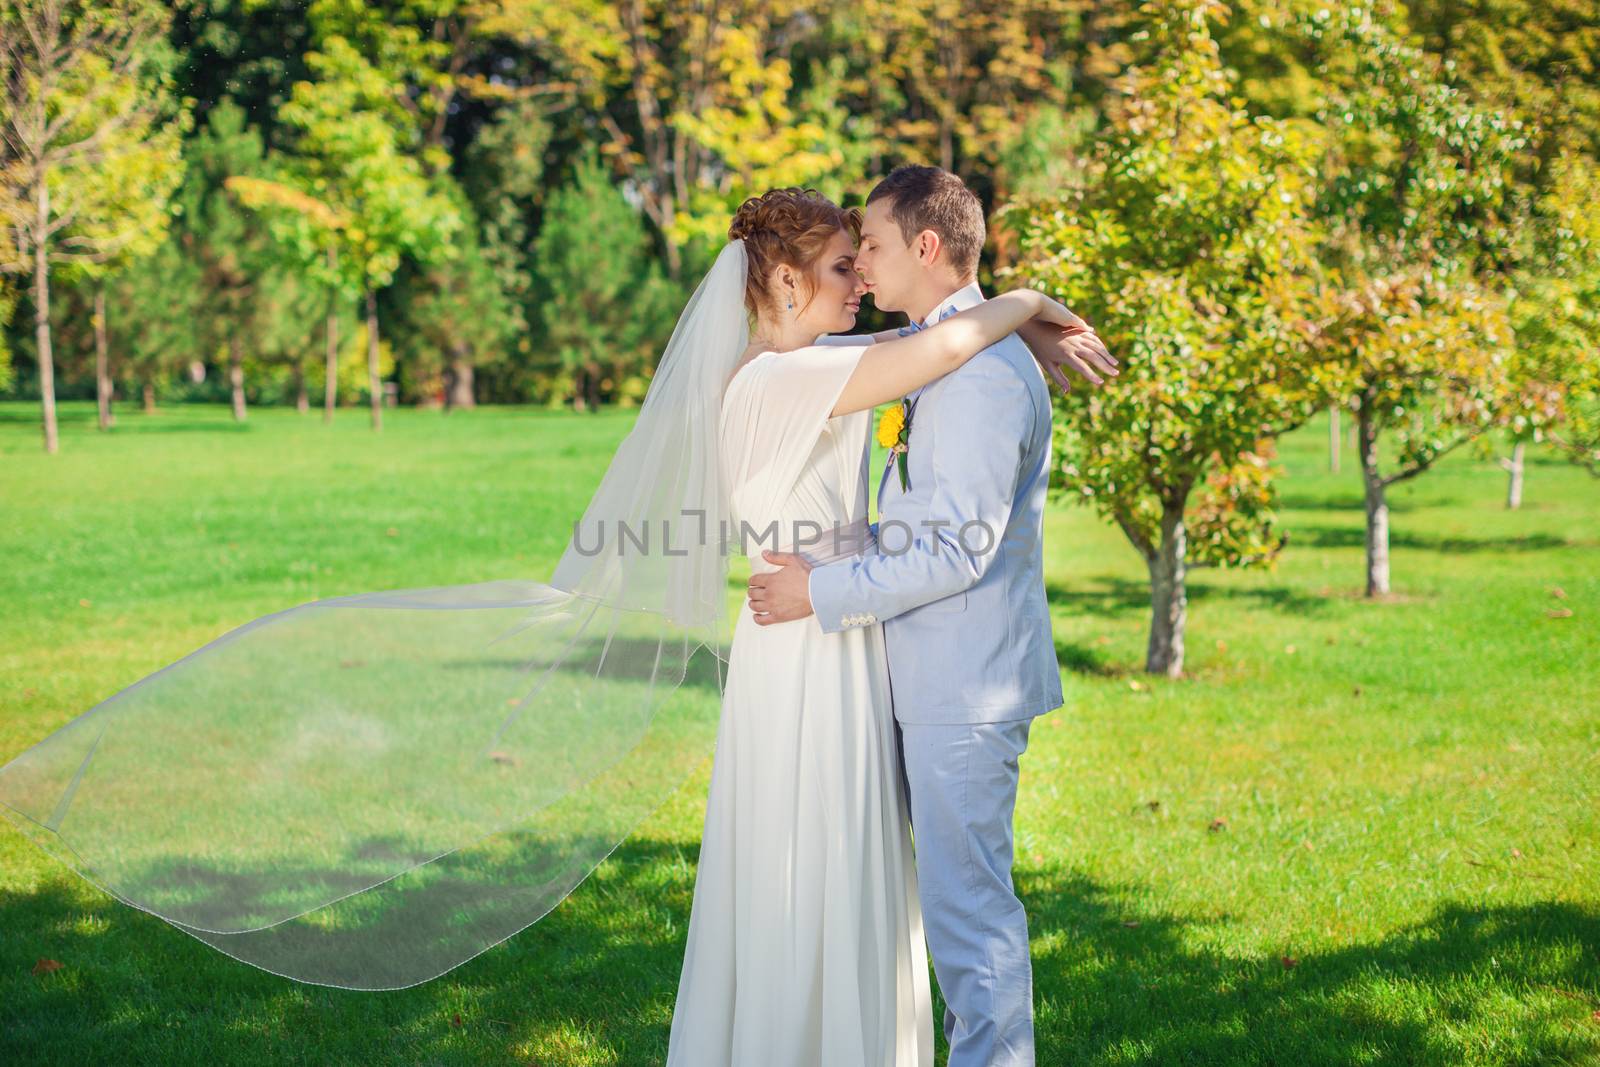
(805, 941)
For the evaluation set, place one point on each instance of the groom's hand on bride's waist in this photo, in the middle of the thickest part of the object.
(782, 595)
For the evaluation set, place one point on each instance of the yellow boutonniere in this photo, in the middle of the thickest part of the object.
(894, 432)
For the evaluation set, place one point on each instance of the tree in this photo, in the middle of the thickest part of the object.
(356, 203)
(695, 82)
(90, 142)
(1555, 314)
(1423, 221)
(456, 318)
(1188, 242)
(601, 301)
(228, 241)
(154, 303)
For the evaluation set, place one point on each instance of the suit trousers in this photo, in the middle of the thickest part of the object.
(961, 780)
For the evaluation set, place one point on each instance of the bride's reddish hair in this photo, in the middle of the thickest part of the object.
(786, 227)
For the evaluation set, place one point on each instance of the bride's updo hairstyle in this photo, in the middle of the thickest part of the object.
(786, 227)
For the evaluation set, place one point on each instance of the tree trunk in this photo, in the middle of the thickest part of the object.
(149, 398)
(372, 360)
(302, 403)
(330, 390)
(1513, 467)
(102, 359)
(458, 391)
(1333, 438)
(1169, 600)
(1377, 506)
(236, 375)
(41, 316)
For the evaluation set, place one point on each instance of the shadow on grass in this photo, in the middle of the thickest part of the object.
(1110, 597)
(605, 965)
(1142, 987)
(626, 659)
(601, 961)
(165, 420)
(1356, 537)
(1350, 503)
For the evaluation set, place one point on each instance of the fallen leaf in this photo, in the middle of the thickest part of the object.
(46, 965)
(1305, 843)
(1288, 649)
(392, 532)
(83, 602)
(1558, 592)
(1356, 691)
(456, 1022)
(503, 757)
(1136, 685)
(352, 663)
(1288, 962)
(1130, 923)
(1553, 613)
(1516, 853)
(1218, 824)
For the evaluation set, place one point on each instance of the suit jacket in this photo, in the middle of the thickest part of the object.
(957, 572)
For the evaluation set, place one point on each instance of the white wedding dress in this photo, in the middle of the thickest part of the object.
(805, 944)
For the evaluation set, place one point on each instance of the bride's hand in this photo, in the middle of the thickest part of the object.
(1057, 337)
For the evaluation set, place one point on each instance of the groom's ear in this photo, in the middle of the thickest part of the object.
(928, 247)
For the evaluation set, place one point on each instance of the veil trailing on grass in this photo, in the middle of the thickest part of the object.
(366, 791)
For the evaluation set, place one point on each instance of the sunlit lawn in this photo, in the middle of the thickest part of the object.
(1357, 833)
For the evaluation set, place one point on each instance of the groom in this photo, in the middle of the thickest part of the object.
(957, 580)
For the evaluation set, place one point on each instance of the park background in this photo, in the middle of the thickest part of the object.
(1321, 563)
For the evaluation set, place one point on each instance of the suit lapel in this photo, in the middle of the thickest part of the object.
(965, 297)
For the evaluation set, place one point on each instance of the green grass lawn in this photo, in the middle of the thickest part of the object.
(1356, 833)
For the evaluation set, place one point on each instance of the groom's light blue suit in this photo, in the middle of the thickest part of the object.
(957, 581)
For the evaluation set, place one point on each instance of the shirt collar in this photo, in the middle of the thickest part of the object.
(968, 295)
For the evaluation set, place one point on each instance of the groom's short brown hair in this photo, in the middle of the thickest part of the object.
(931, 198)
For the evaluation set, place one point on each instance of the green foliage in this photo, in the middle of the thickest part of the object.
(600, 299)
(1540, 57)
(1188, 243)
(154, 320)
(8, 308)
(1424, 217)
(1555, 313)
(350, 126)
(87, 108)
(229, 243)
(452, 312)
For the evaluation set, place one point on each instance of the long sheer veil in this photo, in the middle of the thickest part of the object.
(366, 791)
